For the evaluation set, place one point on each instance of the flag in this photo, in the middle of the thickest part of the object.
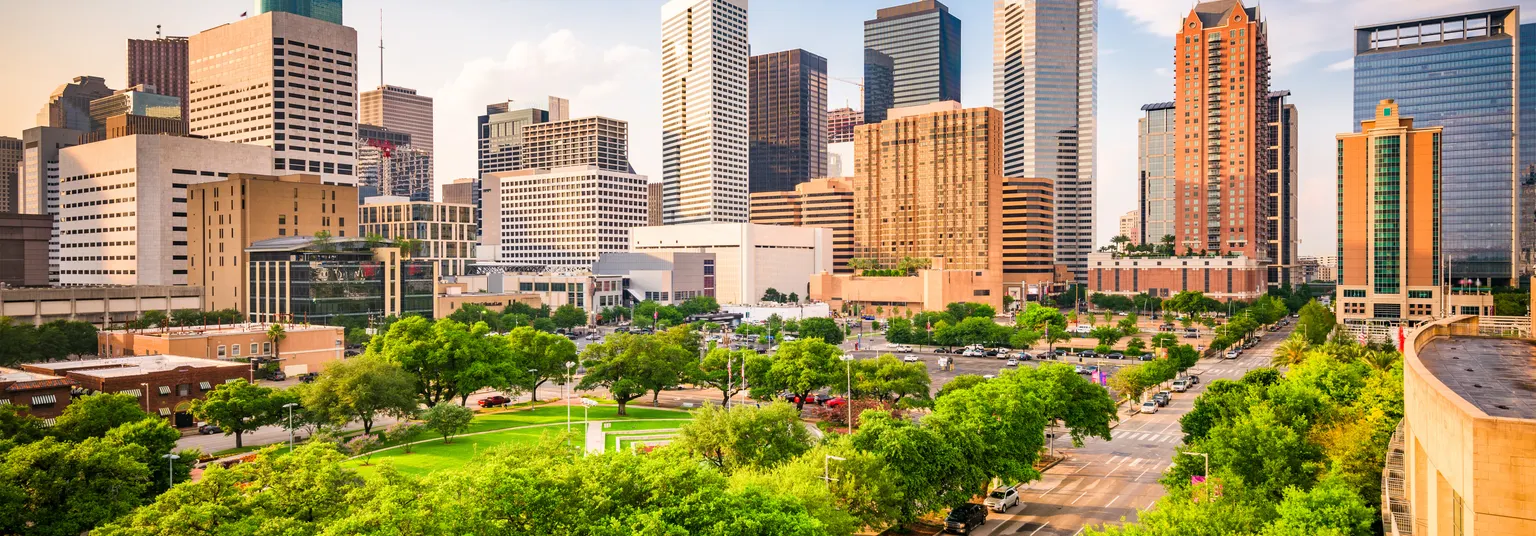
(242, 14)
(1402, 338)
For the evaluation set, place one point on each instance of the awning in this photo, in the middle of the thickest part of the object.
(205, 386)
(165, 412)
(134, 392)
(5, 401)
(164, 390)
(48, 421)
(45, 399)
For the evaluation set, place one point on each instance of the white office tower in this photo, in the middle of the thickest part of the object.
(123, 205)
(283, 81)
(704, 111)
(1045, 80)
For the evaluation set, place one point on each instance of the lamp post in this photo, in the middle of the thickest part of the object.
(1207, 474)
(826, 469)
(848, 398)
(170, 475)
(533, 393)
(570, 372)
(290, 406)
(146, 396)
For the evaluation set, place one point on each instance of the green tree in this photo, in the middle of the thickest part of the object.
(823, 328)
(93, 415)
(542, 356)
(699, 305)
(1023, 338)
(1135, 347)
(724, 370)
(963, 381)
(474, 312)
(625, 364)
(1164, 340)
(1292, 351)
(1107, 335)
(1131, 381)
(276, 333)
(158, 438)
(1331, 507)
(447, 420)
(800, 367)
(447, 358)
(745, 436)
(20, 340)
(362, 389)
(238, 407)
(962, 310)
(19, 427)
(1315, 323)
(51, 487)
(404, 433)
(888, 379)
(568, 316)
(1070, 399)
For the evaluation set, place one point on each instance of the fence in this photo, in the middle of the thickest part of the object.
(1396, 520)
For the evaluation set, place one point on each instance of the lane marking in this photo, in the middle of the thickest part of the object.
(1165, 428)
(1137, 462)
(1079, 497)
(1111, 503)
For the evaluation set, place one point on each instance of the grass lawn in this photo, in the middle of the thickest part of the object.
(614, 441)
(432, 456)
(556, 414)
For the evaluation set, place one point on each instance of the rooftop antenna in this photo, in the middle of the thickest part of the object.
(157, 31)
(381, 48)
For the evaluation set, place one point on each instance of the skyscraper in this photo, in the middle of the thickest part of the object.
(840, 124)
(70, 105)
(389, 163)
(1476, 105)
(1283, 122)
(704, 113)
(588, 141)
(283, 81)
(400, 109)
(326, 10)
(923, 42)
(1222, 87)
(1045, 80)
(789, 120)
(819, 202)
(37, 188)
(879, 85)
(501, 136)
(10, 173)
(1158, 178)
(160, 62)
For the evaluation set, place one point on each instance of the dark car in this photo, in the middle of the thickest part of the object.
(965, 518)
(278, 376)
(1193, 378)
(991, 353)
(1085, 353)
(1060, 353)
(1162, 398)
(1116, 355)
(1147, 357)
(209, 429)
(494, 400)
(309, 377)
(941, 350)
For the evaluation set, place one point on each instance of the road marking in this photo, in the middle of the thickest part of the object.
(1079, 468)
(1135, 463)
(1111, 502)
(1144, 473)
(1041, 527)
(1079, 497)
(1150, 504)
(1165, 428)
(1079, 531)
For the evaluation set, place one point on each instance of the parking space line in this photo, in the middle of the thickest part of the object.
(1112, 501)
(1079, 497)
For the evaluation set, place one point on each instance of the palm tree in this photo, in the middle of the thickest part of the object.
(276, 334)
(1120, 241)
(1291, 352)
(1168, 244)
(1379, 360)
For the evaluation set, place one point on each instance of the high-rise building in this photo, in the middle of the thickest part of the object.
(327, 282)
(822, 202)
(326, 10)
(226, 216)
(1045, 80)
(69, 106)
(441, 233)
(653, 204)
(282, 81)
(162, 63)
(10, 174)
(137, 100)
(922, 40)
(37, 187)
(1222, 88)
(1155, 166)
(559, 109)
(389, 163)
(879, 85)
(1130, 226)
(1283, 238)
(704, 112)
(461, 192)
(789, 120)
(1478, 108)
(951, 211)
(24, 249)
(123, 210)
(597, 141)
(501, 136)
(401, 109)
(840, 123)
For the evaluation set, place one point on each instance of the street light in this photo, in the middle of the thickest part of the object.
(569, 372)
(534, 395)
(848, 397)
(826, 469)
(1207, 474)
(290, 406)
(170, 476)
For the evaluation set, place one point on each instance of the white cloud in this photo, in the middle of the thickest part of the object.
(1163, 72)
(620, 81)
(1341, 65)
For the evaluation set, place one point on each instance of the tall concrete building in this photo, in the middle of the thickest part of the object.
(162, 63)
(37, 187)
(24, 249)
(224, 217)
(461, 192)
(823, 202)
(123, 211)
(1284, 122)
(1221, 63)
(653, 204)
(1157, 176)
(840, 124)
(139, 100)
(922, 40)
(789, 120)
(1045, 80)
(69, 106)
(597, 141)
(1478, 107)
(950, 211)
(282, 81)
(326, 10)
(398, 108)
(501, 136)
(10, 174)
(1130, 226)
(704, 113)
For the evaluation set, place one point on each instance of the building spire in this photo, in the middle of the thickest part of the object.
(381, 48)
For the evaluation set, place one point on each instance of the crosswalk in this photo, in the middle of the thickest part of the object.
(1149, 437)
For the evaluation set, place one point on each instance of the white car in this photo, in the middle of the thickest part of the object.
(903, 348)
(972, 352)
(1012, 362)
(789, 338)
(989, 376)
(1083, 329)
(1149, 407)
(1232, 354)
(909, 358)
(1001, 499)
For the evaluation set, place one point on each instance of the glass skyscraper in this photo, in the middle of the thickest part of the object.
(923, 42)
(788, 129)
(326, 10)
(1156, 157)
(1459, 72)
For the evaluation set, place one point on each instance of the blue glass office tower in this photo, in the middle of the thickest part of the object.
(326, 10)
(1461, 72)
(923, 42)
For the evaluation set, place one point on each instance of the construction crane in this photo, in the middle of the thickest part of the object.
(855, 82)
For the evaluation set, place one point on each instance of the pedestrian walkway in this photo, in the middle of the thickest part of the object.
(596, 440)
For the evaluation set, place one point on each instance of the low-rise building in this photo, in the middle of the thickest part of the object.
(665, 277)
(165, 384)
(749, 258)
(41, 395)
(1222, 277)
(303, 279)
(442, 233)
(453, 295)
(588, 291)
(24, 249)
(930, 289)
(304, 348)
(824, 202)
(102, 306)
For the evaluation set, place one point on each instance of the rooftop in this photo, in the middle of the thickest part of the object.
(1496, 375)
(138, 365)
(22, 376)
(229, 329)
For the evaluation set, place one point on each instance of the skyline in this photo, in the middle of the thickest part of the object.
(609, 65)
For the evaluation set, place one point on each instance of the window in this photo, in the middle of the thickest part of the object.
(253, 348)
(44, 400)
(205, 386)
(234, 350)
(221, 350)
(266, 348)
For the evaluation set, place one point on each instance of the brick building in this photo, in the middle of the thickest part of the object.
(41, 395)
(165, 384)
(305, 348)
(1231, 277)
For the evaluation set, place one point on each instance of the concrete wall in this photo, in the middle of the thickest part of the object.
(749, 259)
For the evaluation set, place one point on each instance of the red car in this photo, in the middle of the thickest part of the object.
(836, 402)
(493, 401)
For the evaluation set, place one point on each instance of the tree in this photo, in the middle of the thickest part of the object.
(447, 359)
(1135, 347)
(276, 333)
(1331, 507)
(1292, 351)
(1107, 335)
(362, 389)
(18, 427)
(963, 310)
(1069, 398)
(1315, 322)
(20, 340)
(93, 415)
(745, 436)
(1131, 381)
(1164, 340)
(724, 370)
(623, 364)
(699, 305)
(568, 316)
(1023, 338)
(963, 381)
(447, 420)
(800, 367)
(238, 407)
(1120, 241)
(66, 338)
(404, 433)
(474, 312)
(772, 295)
(543, 356)
(158, 438)
(888, 379)
(823, 328)
(52, 487)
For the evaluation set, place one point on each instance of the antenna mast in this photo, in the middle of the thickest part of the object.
(381, 48)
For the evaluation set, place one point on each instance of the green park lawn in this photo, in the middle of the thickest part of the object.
(618, 442)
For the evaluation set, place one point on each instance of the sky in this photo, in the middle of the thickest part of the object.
(602, 55)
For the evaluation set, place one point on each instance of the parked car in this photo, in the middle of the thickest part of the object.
(494, 401)
(1011, 362)
(1060, 353)
(1149, 407)
(902, 348)
(869, 317)
(909, 358)
(1164, 397)
(972, 352)
(1193, 379)
(1023, 356)
(1003, 498)
(1082, 329)
(1180, 386)
(1232, 354)
(309, 377)
(790, 338)
(1080, 369)
(209, 429)
(990, 353)
(988, 376)
(278, 376)
(1146, 357)
(1085, 353)
(965, 518)
(1116, 355)
(835, 402)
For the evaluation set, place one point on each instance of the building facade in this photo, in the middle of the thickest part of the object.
(1221, 277)
(136, 100)
(164, 384)
(653, 204)
(704, 113)
(789, 120)
(1156, 165)
(1130, 226)
(300, 279)
(10, 174)
(665, 277)
(441, 233)
(400, 109)
(326, 10)
(594, 141)
(390, 163)
(225, 217)
(930, 289)
(40, 395)
(563, 218)
(501, 136)
(749, 258)
(840, 124)
(162, 63)
(37, 188)
(280, 80)
(922, 40)
(69, 106)
(584, 290)
(1283, 179)
(123, 219)
(461, 192)
(1045, 81)
(121, 125)
(825, 203)
(102, 306)
(24, 249)
(304, 348)
(879, 89)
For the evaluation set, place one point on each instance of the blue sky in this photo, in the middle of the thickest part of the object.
(602, 55)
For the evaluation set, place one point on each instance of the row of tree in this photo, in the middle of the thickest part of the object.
(22, 342)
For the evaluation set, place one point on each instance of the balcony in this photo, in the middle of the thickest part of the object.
(1396, 520)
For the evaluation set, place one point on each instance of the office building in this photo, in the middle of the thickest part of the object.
(137, 100)
(24, 249)
(38, 185)
(305, 348)
(400, 109)
(1157, 180)
(1130, 227)
(501, 136)
(453, 293)
(749, 258)
(825, 202)
(1045, 81)
(302, 279)
(389, 163)
(164, 384)
(653, 204)
(1222, 86)
(704, 112)
(1283, 179)
(840, 124)
(664, 277)
(121, 125)
(461, 192)
(789, 120)
(161, 63)
(283, 81)
(1220, 277)
(123, 215)
(596, 141)
(562, 218)
(226, 216)
(441, 233)
(925, 289)
(922, 41)
(840, 159)
(1477, 107)
(39, 395)
(326, 10)
(10, 174)
(583, 289)
(69, 106)
(101, 306)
